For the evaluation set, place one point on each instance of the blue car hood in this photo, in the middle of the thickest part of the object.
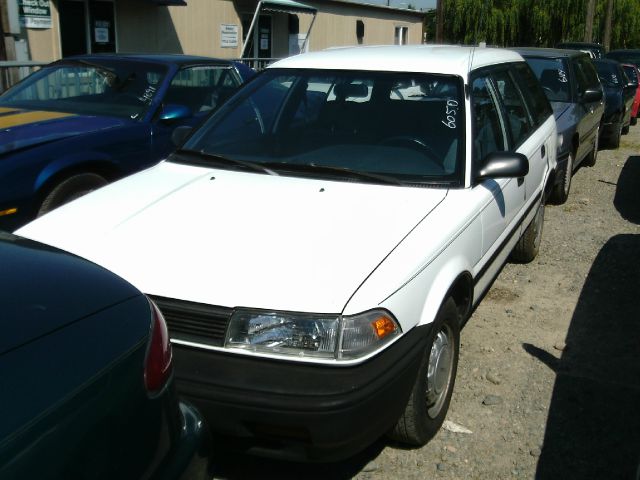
(43, 289)
(559, 109)
(21, 128)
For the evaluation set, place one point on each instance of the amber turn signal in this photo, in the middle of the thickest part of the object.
(8, 211)
(383, 326)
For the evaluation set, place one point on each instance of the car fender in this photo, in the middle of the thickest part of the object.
(77, 161)
(446, 277)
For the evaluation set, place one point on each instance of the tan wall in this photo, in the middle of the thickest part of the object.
(44, 44)
(194, 29)
(335, 25)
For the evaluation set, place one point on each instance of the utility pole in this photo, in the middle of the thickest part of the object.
(607, 25)
(440, 21)
(588, 26)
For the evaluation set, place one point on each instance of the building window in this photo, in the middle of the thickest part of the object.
(401, 35)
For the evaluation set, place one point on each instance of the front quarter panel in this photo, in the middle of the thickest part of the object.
(415, 278)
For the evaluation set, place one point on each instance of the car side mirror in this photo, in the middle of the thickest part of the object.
(173, 112)
(592, 95)
(504, 165)
(180, 134)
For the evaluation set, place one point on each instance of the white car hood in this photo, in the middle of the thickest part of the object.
(238, 239)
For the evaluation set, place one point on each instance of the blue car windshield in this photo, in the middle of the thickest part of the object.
(110, 87)
(609, 74)
(553, 76)
(407, 126)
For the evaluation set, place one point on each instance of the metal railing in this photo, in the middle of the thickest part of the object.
(11, 72)
(256, 63)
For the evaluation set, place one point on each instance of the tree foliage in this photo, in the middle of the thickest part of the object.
(541, 23)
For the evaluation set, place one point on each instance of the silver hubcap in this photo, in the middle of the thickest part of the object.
(439, 371)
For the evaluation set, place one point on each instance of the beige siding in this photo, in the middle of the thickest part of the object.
(44, 44)
(194, 29)
(336, 25)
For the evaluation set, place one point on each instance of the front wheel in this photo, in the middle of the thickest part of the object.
(590, 159)
(529, 243)
(431, 394)
(69, 189)
(560, 191)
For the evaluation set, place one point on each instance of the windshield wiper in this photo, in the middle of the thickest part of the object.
(212, 158)
(312, 167)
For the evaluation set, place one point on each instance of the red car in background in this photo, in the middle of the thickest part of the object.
(634, 77)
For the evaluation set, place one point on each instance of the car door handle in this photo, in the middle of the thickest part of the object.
(543, 151)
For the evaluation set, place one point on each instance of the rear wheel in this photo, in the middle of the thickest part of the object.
(615, 140)
(560, 192)
(429, 400)
(529, 243)
(70, 189)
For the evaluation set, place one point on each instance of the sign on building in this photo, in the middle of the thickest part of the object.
(34, 13)
(228, 36)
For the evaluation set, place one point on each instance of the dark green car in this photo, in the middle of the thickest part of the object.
(87, 377)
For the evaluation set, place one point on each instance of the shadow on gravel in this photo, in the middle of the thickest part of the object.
(593, 428)
(627, 199)
(235, 465)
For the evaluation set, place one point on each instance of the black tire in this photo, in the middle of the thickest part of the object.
(70, 189)
(625, 130)
(590, 160)
(529, 243)
(634, 120)
(429, 401)
(615, 140)
(560, 191)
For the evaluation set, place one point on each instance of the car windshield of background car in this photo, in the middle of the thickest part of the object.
(405, 125)
(609, 75)
(554, 77)
(119, 89)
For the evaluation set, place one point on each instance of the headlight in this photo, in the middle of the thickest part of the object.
(311, 335)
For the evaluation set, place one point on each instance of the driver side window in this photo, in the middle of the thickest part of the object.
(488, 129)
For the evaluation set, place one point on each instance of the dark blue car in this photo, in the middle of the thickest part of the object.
(87, 375)
(619, 94)
(84, 121)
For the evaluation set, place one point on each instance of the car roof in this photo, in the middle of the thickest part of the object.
(549, 52)
(444, 59)
(165, 58)
(582, 44)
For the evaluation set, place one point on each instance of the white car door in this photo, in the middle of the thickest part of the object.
(501, 198)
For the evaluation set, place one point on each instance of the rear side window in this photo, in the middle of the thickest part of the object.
(537, 100)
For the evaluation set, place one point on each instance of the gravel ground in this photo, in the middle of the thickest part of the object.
(549, 376)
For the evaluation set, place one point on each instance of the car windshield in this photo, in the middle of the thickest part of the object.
(96, 87)
(553, 76)
(404, 126)
(609, 74)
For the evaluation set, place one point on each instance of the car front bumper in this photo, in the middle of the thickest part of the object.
(189, 457)
(300, 411)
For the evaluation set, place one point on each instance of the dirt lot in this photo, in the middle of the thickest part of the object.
(549, 377)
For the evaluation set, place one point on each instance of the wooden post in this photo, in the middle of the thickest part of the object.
(588, 25)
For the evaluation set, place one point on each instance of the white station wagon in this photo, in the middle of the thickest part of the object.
(317, 244)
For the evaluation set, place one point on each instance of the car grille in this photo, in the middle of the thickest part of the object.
(194, 322)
